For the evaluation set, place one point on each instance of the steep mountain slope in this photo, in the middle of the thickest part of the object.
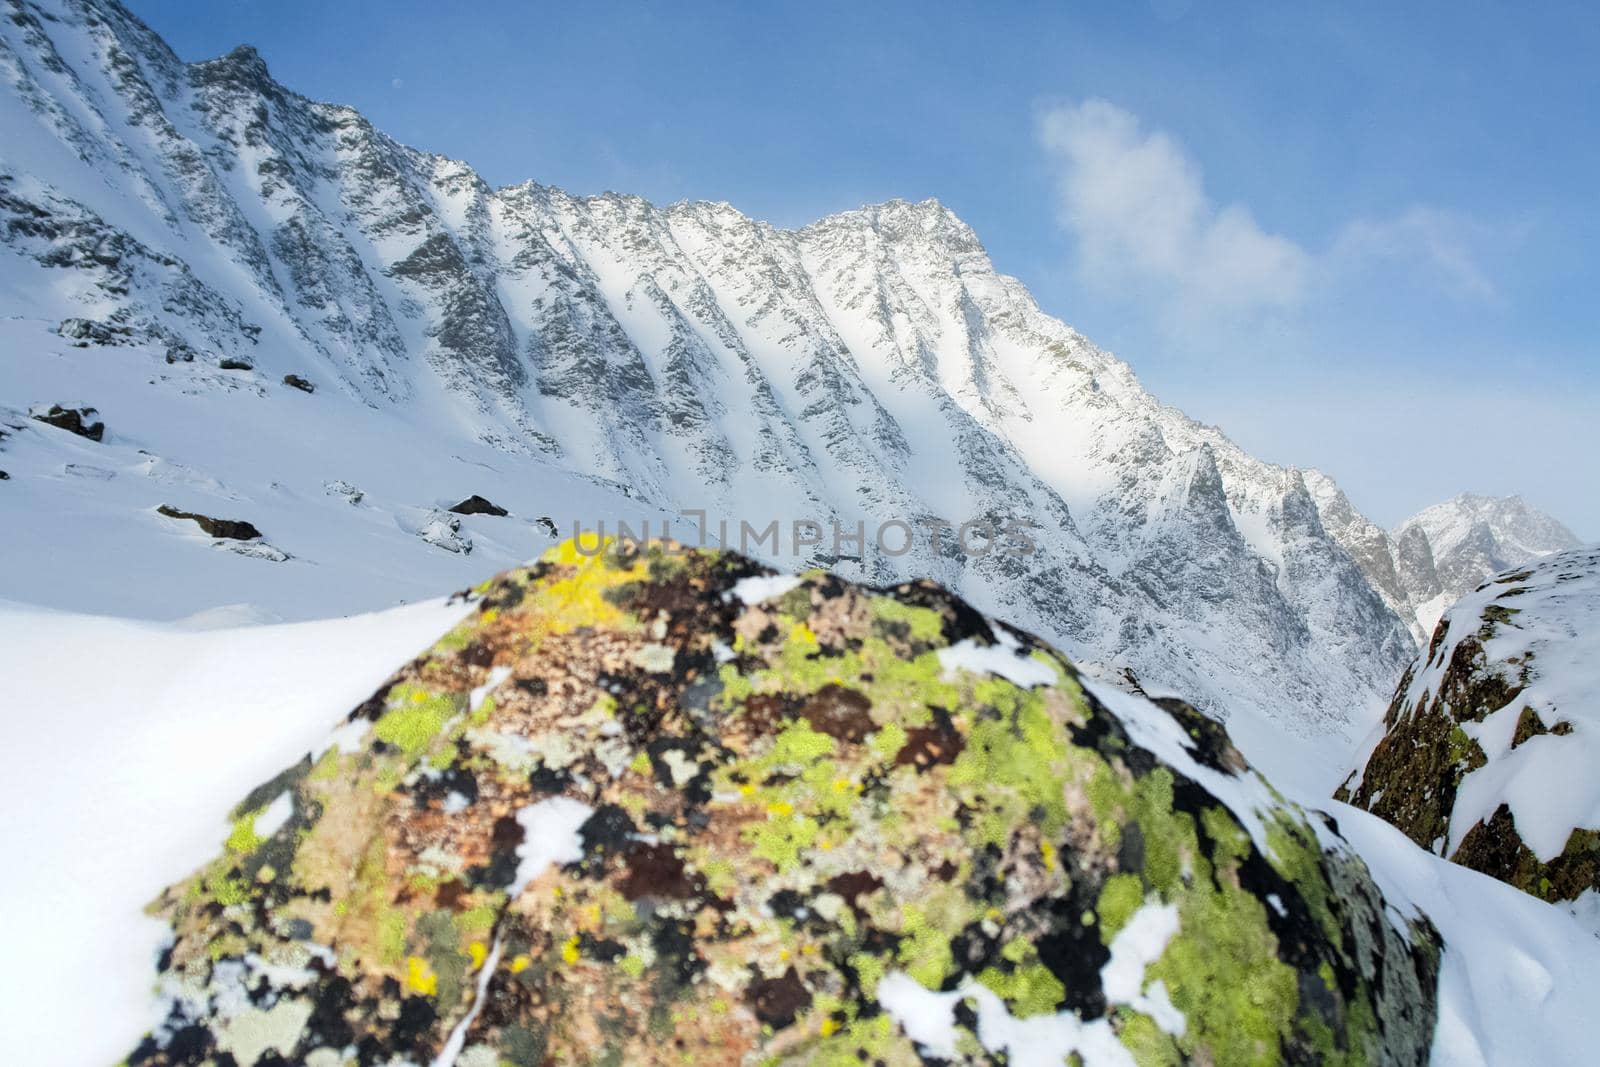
(1487, 752)
(594, 358)
(1468, 539)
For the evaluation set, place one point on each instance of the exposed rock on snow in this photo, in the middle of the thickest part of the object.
(1487, 754)
(340, 487)
(295, 381)
(838, 845)
(86, 332)
(444, 531)
(80, 421)
(234, 529)
(256, 550)
(477, 505)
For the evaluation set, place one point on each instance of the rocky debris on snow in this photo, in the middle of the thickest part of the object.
(340, 487)
(85, 332)
(88, 470)
(445, 531)
(477, 505)
(654, 806)
(180, 353)
(230, 363)
(232, 529)
(547, 524)
(81, 421)
(294, 381)
(1486, 755)
(256, 550)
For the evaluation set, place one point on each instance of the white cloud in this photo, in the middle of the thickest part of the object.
(1135, 203)
(1424, 236)
(1137, 206)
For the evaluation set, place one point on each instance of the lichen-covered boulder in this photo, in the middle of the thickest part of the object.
(658, 806)
(1487, 753)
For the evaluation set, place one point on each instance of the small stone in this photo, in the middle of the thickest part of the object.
(294, 381)
(236, 364)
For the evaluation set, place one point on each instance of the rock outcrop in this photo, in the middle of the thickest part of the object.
(1487, 753)
(81, 421)
(231, 529)
(660, 806)
(477, 505)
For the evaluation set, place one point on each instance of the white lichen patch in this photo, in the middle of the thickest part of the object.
(253, 1032)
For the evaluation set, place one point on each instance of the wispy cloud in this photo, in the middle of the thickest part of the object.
(1135, 203)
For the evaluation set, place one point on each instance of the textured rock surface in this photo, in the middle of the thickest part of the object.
(661, 808)
(1487, 752)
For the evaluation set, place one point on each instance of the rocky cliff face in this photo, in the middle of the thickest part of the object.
(872, 367)
(658, 806)
(1486, 753)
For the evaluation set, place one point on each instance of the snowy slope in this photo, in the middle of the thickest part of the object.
(123, 768)
(592, 358)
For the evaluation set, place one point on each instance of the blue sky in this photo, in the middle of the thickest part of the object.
(1356, 236)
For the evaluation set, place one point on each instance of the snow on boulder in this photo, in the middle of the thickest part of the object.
(81, 421)
(622, 814)
(1487, 753)
(444, 531)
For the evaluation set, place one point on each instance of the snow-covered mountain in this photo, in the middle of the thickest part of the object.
(588, 359)
(1468, 539)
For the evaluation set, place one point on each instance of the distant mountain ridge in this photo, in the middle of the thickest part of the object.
(1469, 538)
(872, 365)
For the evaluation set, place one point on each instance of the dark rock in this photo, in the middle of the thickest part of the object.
(545, 523)
(294, 381)
(4, 477)
(477, 505)
(233, 529)
(180, 353)
(80, 421)
(85, 332)
(236, 364)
